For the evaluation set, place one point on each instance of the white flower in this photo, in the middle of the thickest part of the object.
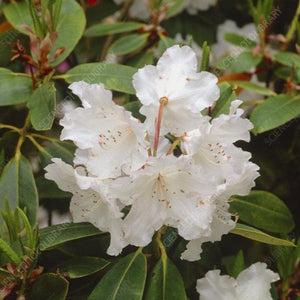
(113, 139)
(211, 145)
(222, 223)
(139, 9)
(253, 283)
(175, 80)
(90, 202)
(167, 191)
(192, 6)
(223, 48)
(212, 148)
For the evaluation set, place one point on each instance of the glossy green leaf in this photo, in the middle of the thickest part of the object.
(166, 282)
(253, 87)
(239, 40)
(257, 235)
(53, 236)
(113, 76)
(241, 63)
(11, 254)
(49, 190)
(6, 39)
(289, 59)
(78, 267)
(274, 112)
(14, 88)
(142, 59)
(238, 265)
(164, 43)
(129, 44)
(227, 95)
(174, 7)
(42, 106)
(234, 264)
(17, 185)
(134, 108)
(70, 27)
(263, 210)
(63, 150)
(126, 280)
(49, 286)
(118, 27)
(5, 276)
(205, 57)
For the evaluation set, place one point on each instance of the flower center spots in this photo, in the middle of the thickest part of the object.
(215, 154)
(111, 138)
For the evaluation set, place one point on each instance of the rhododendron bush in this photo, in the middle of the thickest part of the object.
(149, 149)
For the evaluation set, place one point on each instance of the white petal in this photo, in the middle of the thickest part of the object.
(217, 287)
(255, 282)
(89, 205)
(178, 59)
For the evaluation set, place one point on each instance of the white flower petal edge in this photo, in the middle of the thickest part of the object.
(112, 137)
(88, 204)
(253, 283)
(175, 78)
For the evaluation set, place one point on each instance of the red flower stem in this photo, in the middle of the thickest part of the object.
(163, 101)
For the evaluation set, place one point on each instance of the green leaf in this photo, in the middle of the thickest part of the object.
(11, 254)
(49, 287)
(53, 236)
(14, 88)
(253, 87)
(227, 95)
(234, 264)
(164, 43)
(48, 189)
(42, 106)
(118, 27)
(134, 108)
(18, 187)
(70, 27)
(257, 235)
(113, 76)
(274, 112)
(241, 63)
(29, 231)
(174, 7)
(288, 59)
(2, 161)
(263, 210)
(142, 59)
(239, 40)
(205, 57)
(63, 150)
(78, 267)
(129, 44)
(166, 282)
(5, 277)
(126, 280)
(6, 39)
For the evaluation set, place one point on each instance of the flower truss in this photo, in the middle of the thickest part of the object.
(253, 283)
(126, 178)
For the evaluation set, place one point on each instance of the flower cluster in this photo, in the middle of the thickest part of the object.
(253, 283)
(128, 180)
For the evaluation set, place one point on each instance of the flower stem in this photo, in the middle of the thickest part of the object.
(163, 101)
(174, 145)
